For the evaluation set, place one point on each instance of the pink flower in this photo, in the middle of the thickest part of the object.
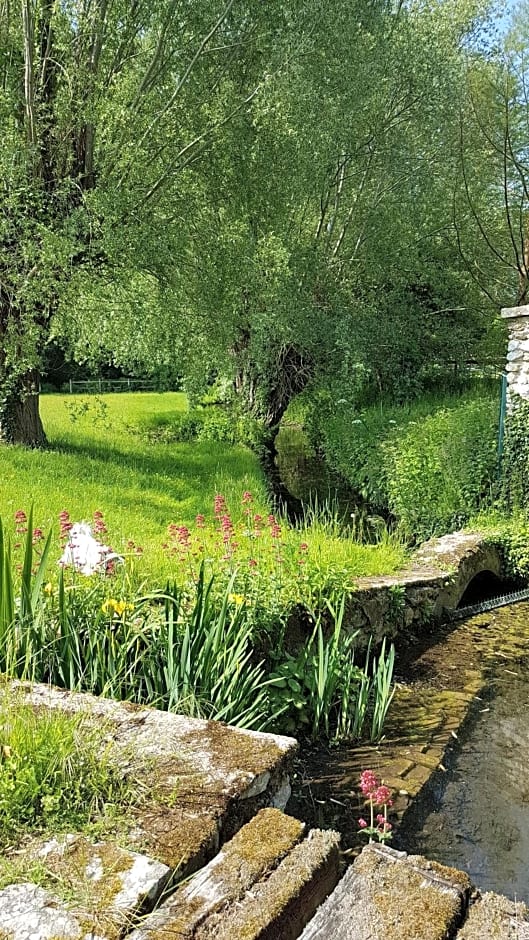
(20, 522)
(219, 504)
(362, 823)
(381, 795)
(368, 782)
(64, 523)
(247, 497)
(200, 521)
(99, 523)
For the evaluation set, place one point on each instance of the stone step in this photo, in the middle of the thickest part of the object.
(389, 895)
(265, 884)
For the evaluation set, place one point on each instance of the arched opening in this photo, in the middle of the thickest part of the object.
(482, 587)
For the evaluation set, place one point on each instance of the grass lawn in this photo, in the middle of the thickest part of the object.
(103, 456)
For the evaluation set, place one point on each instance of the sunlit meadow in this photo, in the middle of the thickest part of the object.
(105, 459)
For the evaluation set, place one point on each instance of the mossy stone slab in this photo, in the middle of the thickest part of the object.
(495, 917)
(254, 887)
(387, 895)
(200, 781)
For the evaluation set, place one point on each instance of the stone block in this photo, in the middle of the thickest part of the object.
(260, 886)
(515, 312)
(204, 779)
(28, 912)
(495, 917)
(387, 895)
(108, 885)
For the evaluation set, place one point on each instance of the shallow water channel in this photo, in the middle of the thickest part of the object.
(476, 815)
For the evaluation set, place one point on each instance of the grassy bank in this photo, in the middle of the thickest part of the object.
(106, 455)
(429, 464)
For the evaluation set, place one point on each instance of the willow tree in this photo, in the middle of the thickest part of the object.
(106, 106)
(331, 206)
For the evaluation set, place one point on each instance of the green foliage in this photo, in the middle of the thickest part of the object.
(201, 661)
(514, 488)
(323, 691)
(212, 423)
(193, 647)
(510, 533)
(53, 772)
(430, 465)
(137, 226)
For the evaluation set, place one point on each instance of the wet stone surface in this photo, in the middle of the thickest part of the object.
(476, 816)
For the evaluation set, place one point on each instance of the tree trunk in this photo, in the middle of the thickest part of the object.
(20, 421)
(266, 398)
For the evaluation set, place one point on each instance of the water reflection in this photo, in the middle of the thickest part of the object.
(306, 475)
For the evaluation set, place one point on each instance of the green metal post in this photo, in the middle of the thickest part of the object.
(501, 431)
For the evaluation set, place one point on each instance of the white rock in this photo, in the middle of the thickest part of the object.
(28, 912)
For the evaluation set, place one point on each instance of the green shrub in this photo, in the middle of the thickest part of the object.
(430, 465)
(201, 424)
(322, 690)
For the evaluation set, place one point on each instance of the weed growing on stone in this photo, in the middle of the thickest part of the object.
(53, 771)
(377, 797)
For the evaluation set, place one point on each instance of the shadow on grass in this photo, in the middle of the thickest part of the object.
(185, 472)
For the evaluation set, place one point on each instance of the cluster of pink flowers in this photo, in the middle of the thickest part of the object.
(184, 545)
(374, 791)
(99, 523)
(179, 543)
(376, 795)
(21, 522)
(65, 524)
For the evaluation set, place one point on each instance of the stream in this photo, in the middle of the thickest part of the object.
(476, 816)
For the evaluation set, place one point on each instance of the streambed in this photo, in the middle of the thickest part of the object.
(475, 816)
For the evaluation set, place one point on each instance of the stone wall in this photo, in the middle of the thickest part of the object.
(517, 367)
(429, 590)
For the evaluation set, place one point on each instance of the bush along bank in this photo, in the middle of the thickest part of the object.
(428, 465)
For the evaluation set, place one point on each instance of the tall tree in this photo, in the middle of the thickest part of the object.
(334, 213)
(106, 107)
(492, 207)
